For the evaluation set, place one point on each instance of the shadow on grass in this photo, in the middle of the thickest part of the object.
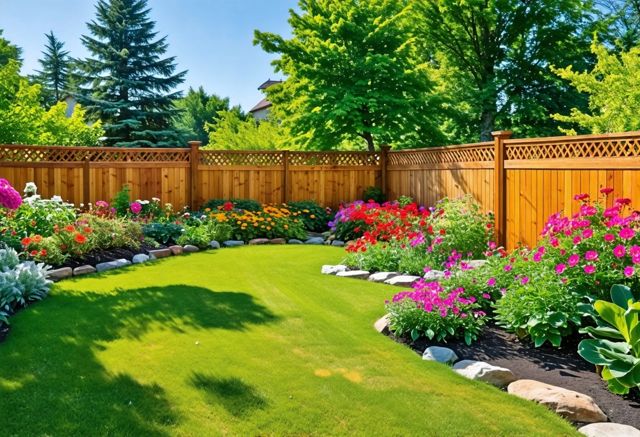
(238, 398)
(52, 382)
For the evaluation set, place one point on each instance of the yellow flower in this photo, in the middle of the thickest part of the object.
(305, 210)
(312, 216)
(268, 228)
(286, 226)
(238, 222)
(255, 224)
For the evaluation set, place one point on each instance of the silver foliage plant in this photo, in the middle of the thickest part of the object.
(20, 283)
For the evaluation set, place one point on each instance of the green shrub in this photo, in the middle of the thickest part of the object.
(37, 216)
(616, 340)
(200, 236)
(375, 194)
(163, 233)
(122, 201)
(314, 217)
(109, 233)
(244, 204)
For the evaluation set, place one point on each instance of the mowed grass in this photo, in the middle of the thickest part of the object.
(247, 341)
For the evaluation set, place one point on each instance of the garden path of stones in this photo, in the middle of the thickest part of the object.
(579, 408)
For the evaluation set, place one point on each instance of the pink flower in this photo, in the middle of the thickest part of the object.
(606, 191)
(102, 204)
(554, 241)
(628, 271)
(623, 201)
(583, 197)
(619, 251)
(589, 269)
(634, 250)
(135, 207)
(635, 259)
(560, 268)
(537, 257)
(508, 268)
(577, 240)
(611, 212)
(573, 260)
(627, 233)
(609, 238)
(591, 255)
(486, 295)
(491, 282)
(524, 280)
(9, 197)
(587, 233)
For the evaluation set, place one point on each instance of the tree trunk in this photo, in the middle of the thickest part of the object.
(369, 139)
(487, 120)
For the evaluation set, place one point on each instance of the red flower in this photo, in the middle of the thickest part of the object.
(606, 191)
(26, 241)
(583, 196)
(34, 252)
(442, 231)
(80, 239)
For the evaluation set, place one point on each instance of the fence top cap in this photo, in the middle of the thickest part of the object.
(502, 133)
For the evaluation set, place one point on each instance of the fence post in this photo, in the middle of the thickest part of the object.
(194, 160)
(500, 194)
(86, 181)
(285, 176)
(384, 155)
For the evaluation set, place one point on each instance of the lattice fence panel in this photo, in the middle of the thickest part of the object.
(230, 158)
(42, 154)
(477, 153)
(604, 148)
(140, 155)
(338, 159)
(79, 154)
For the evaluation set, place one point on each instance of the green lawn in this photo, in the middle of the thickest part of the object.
(237, 341)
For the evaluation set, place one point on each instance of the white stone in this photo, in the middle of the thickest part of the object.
(440, 354)
(382, 276)
(112, 265)
(338, 243)
(140, 258)
(608, 429)
(61, 273)
(402, 280)
(569, 404)
(357, 274)
(434, 275)
(481, 371)
(382, 324)
(328, 269)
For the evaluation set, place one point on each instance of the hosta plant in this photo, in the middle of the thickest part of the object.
(616, 340)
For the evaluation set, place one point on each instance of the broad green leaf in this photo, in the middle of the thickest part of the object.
(590, 351)
(620, 295)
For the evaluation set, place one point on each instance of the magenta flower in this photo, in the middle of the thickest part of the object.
(623, 201)
(486, 295)
(591, 255)
(627, 233)
(587, 233)
(606, 191)
(491, 282)
(634, 250)
(628, 271)
(619, 251)
(554, 242)
(560, 268)
(609, 238)
(577, 240)
(582, 197)
(135, 207)
(537, 257)
(589, 269)
(573, 260)
(9, 197)
(524, 280)
(508, 268)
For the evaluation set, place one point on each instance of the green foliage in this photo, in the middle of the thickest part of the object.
(540, 307)
(164, 233)
(616, 340)
(352, 74)
(613, 89)
(24, 121)
(199, 109)
(491, 60)
(126, 83)
(111, 233)
(122, 201)
(230, 130)
(200, 236)
(244, 204)
(38, 216)
(373, 193)
(54, 75)
(9, 52)
(313, 216)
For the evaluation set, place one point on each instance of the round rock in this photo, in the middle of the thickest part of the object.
(440, 354)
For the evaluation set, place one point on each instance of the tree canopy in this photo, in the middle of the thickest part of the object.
(231, 131)
(54, 74)
(127, 83)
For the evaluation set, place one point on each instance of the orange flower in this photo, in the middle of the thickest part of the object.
(26, 241)
(87, 230)
(70, 228)
(80, 239)
(37, 239)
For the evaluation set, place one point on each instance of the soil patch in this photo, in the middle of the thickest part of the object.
(562, 367)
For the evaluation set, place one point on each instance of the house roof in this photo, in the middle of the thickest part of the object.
(268, 83)
(263, 104)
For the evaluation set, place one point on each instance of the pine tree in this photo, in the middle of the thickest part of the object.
(54, 76)
(9, 51)
(126, 82)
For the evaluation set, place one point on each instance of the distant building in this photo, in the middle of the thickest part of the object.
(261, 110)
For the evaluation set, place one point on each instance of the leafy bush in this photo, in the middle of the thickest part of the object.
(122, 201)
(39, 216)
(163, 233)
(200, 236)
(314, 217)
(375, 194)
(268, 222)
(241, 204)
(616, 340)
(20, 283)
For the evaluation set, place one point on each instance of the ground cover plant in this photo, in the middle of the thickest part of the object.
(235, 341)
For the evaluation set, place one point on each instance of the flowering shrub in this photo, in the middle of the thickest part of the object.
(201, 235)
(9, 197)
(269, 222)
(314, 217)
(406, 237)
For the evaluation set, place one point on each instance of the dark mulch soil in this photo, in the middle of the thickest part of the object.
(101, 256)
(562, 367)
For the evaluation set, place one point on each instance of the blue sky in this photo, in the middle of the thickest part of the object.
(213, 39)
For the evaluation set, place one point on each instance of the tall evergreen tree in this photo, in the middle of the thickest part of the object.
(54, 76)
(126, 82)
(9, 51)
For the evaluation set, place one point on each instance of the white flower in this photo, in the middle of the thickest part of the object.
(57, 199)
(30, 189)
(155, 199)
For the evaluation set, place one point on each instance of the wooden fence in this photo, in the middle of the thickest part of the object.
(522, 181)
